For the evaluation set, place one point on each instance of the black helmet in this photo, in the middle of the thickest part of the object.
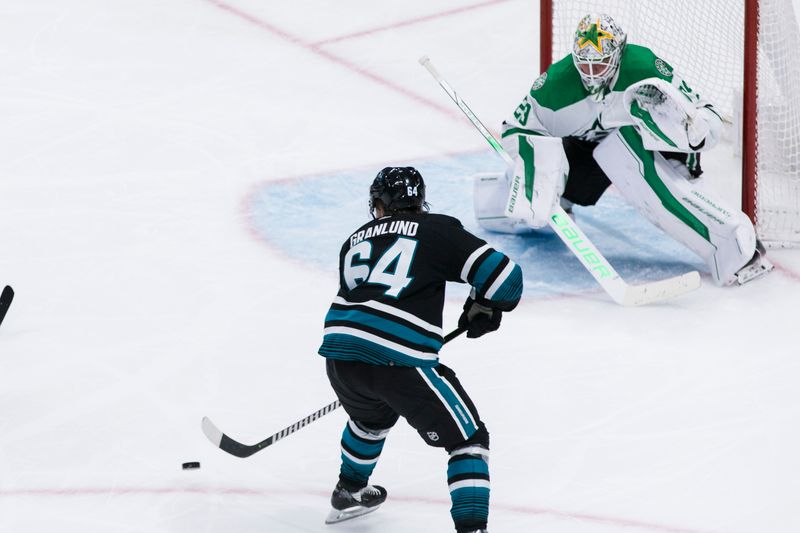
(398, 188)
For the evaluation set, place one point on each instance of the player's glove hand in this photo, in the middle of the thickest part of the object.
(479, 319)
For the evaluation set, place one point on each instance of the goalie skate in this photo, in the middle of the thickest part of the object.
(347, 505)
(758, 266)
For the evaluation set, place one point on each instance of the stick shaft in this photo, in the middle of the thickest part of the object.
(426, 62)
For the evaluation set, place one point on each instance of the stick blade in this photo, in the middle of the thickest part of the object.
(658, 291)
(237, 448)
(212, 432)
(227, 444)
(7, 295)
(5, 301)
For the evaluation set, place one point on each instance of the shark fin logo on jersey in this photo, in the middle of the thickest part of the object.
(433, 436)
(593, 35)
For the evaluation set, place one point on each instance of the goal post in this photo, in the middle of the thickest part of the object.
(739, 54)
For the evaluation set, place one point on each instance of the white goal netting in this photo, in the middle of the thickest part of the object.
(704, 42)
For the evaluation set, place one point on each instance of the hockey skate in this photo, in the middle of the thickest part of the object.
(758, 266)
(347, 505)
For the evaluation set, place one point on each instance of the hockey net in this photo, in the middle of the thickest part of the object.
(709, 44)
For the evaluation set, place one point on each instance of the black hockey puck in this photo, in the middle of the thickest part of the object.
(190, 465)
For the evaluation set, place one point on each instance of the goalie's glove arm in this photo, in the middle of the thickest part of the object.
(704, 130)
(671, 117)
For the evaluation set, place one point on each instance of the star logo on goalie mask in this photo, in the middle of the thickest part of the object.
(593, 35)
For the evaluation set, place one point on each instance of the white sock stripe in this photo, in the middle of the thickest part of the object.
(471, 261)
(471, 450)
(469, 483)
(459, 425)
(500, 279)
(367, 435)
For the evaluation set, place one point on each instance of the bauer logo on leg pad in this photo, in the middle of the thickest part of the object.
(512, 198)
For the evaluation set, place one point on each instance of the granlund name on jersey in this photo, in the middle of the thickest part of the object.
(392, 277)
(558, 104)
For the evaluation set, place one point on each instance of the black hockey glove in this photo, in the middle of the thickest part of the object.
(479, 319)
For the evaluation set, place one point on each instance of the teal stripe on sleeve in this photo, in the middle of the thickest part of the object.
(511, 289)
(486, 269)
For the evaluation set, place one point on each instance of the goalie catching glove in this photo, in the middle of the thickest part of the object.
(669, 119)
(478, 319)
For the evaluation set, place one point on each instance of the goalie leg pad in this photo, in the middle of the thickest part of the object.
(538, 179)
(722, 236)
(490, 193)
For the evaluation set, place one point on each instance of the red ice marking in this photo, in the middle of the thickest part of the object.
(311, 47)
(791, 274)
(242, 491)
(409, 22)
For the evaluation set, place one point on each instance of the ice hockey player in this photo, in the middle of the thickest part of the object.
(613, 112)
(383, 333)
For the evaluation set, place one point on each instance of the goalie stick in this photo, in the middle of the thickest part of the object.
(574, 238)
(5, 301)
(227, 444)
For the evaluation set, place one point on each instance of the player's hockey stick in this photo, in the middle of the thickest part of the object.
(5, 301)
(227, 444)
(574, 238)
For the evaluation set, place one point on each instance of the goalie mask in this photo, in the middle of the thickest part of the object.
(398, 189)
(596, 52)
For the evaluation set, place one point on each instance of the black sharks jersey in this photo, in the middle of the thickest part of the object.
(392, 276)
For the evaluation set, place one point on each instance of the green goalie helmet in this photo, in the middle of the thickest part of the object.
(596, 51)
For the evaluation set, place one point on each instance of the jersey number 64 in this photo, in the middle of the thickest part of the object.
(391, 269)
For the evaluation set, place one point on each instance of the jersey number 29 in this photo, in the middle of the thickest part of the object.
(391, 269)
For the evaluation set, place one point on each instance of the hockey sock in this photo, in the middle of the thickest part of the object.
(361, 449)
(468, 480)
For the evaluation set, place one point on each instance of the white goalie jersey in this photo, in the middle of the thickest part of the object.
(645, 93)
(636, 123)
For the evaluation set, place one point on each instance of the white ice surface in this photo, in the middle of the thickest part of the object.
(133, 134)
